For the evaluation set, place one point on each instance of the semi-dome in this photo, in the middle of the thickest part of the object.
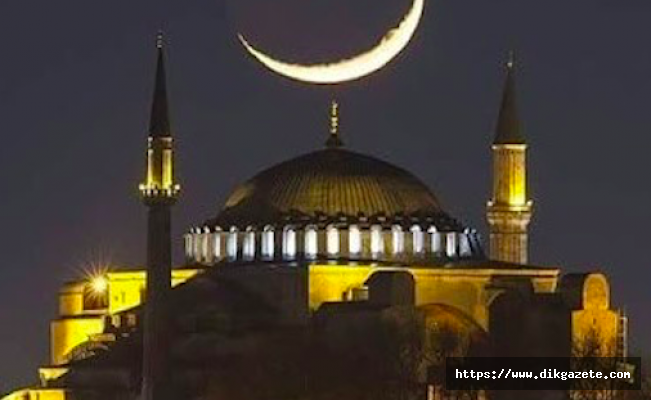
(332, 185)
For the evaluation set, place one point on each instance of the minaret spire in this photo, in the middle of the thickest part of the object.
(509, 129)
(334, 140)
(159, 192)
(509, 210)
(159, 125)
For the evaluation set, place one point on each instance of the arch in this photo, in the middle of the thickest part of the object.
(444, 319)
(268, 242)
(465, 249)
(217, 249)
(418, 240)
(354, 241)
(436, 244)
(333, 244)
(188, 246)
(377, 241)
(289, 243)
(451, 244)
(248, 245)
(311, 245)
(231, 243)
(196, 242)
(398, 239)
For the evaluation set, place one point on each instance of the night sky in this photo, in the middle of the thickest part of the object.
(75, 91)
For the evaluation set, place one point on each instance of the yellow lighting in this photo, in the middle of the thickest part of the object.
(353, 68)
(99, 284)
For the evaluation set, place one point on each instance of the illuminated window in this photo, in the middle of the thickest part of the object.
(196, 245)
(206, 251)
(398, 237)
(354, 240)
(451, 244)
(377, 241)
(311, 242)
(332, 234)
(464, 244)
(231, 244)
(268, 242)
(188, 246)
(217, 244)
(435, 240)
(289, 243)
(417, 235)
(248, 247)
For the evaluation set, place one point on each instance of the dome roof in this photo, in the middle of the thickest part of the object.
(332, 185)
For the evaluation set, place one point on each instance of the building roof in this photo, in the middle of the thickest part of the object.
(335, 184)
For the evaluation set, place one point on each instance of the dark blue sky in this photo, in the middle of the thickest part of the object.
(75, 87)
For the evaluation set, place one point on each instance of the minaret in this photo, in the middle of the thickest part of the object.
(159, 192)
(509, 211)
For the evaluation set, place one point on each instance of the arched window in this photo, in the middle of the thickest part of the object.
(248, 247)
(398, 237)
(332, 235)
(188, 246)
(377, 241)
(451, 244)
(231, 244)
(417, 241)
(354, 240)
(196, 244)
(268, 243)
(206, 250)
(217, 250)
(289, 243)
(465, 250)
(311, 242)
(435, 240)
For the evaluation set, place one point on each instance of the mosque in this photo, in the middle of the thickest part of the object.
(330, 232)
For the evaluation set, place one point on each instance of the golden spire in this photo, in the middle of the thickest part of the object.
(334, 141)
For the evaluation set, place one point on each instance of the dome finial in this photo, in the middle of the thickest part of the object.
(510, 62)
(160, 39)
(334, 141)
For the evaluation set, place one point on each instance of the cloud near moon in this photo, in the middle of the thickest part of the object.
(359, 66)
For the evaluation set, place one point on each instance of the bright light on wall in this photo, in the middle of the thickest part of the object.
(99, 284)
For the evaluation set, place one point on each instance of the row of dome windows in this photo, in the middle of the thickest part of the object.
(375, 243)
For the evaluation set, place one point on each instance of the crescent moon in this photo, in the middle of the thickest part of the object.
(352, 68)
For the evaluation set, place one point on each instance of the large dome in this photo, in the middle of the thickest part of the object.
(332, 185)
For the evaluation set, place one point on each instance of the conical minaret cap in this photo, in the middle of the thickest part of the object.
(159, 125)
(509, 128)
